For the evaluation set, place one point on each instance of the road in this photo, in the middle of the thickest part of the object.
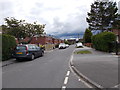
(50, 71)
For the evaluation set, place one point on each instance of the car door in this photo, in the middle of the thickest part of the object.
(33, 50)
(38, 50)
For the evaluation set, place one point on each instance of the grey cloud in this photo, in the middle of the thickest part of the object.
(71, 25)
(6, 8)
(75, 23)
(39, 8)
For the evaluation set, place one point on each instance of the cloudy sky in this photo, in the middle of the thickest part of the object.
(62, 17)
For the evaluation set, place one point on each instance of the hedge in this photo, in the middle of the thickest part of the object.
(102, 41)
(8, 44)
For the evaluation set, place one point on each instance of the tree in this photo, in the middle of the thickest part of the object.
(102, 15)
(20, 29)
(14, 27)
(87, 36)
(116, 24)
(34, 29)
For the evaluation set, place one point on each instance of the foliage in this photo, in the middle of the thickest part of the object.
(20, 29)
(101, 41)
(87, 36)
(102, 15)
(14, 27)
(66, 42)
(116, 24)
(8, 44)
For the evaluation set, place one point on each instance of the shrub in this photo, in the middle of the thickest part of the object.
(87, 36)
(8, 44)
(101, 41)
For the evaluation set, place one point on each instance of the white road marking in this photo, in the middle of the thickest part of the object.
(68, 73)
(63, 87)
(79, 79)
(66, 80)
(116, 86)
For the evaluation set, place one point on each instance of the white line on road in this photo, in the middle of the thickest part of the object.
(79, 79)
(63, 87)
(68, 73)
(66, 80)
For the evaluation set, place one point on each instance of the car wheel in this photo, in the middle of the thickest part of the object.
(32, 57)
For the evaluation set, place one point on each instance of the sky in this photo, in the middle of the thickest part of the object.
(63, 18)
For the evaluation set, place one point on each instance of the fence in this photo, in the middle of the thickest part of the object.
(49, 46)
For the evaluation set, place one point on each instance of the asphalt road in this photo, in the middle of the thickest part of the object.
(50, 71)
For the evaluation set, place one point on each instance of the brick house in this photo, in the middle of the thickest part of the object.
(40, 40)
(48, 41)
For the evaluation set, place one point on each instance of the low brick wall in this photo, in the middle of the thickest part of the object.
(88, 44)
(49, 47)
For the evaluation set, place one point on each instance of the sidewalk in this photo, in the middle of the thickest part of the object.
(13, 60)
(98, 68)
(8, 62)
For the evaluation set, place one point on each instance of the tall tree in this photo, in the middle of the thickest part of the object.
(116, 24)
(20, 29)
(102, 15)
(14, 27)
(87, 36)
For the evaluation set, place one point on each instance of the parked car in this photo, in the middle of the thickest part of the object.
(28, 51)
(62, 46)
(67, 45)
(79, 45)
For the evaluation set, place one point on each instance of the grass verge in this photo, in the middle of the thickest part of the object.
(83, 52)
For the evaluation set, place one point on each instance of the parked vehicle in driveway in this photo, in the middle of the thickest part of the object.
(62, 46)
(28, 51)
(79, 44)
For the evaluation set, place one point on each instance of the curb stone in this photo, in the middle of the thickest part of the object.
(8, 62)
(90, 82)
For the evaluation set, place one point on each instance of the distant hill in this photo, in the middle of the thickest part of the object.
(70, 35)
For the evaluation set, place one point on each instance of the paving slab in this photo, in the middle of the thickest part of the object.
(100, 67)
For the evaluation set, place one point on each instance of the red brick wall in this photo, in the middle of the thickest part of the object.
(38, 40)
(43, 40)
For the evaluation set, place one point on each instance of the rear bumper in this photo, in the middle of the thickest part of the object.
(62, 47)
(23, 57)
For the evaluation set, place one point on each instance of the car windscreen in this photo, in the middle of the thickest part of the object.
(62, 44)
(21, 48)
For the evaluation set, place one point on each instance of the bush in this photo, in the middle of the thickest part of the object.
(8, 44)
(87, 36)
(101, 41)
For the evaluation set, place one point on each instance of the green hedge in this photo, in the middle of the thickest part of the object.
(102, 41)
(8, 43)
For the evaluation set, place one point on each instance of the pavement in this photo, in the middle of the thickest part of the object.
(8, 62)
(98, 69)
(13, 60)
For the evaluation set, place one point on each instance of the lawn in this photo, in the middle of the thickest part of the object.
(83, 52)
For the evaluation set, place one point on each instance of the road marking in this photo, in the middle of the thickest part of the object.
(66, 80)
(79, 79)
(68, 73)
(63, 87)
(116, 86)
